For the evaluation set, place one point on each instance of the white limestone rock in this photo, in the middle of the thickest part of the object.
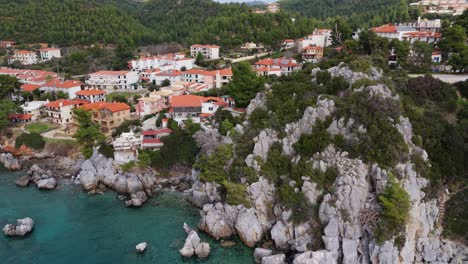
(141, 247)
(274, 259)
(21, 228)
(248, 227)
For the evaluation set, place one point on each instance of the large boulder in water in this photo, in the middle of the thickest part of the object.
(218, 220)
(23, 181)
(47, 184)
(21, 228)
(202, 250)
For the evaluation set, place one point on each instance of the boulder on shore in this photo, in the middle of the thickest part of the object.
(9, 162)
(193, 245)
(141, 247)
(21, 228)
(47, 184)
(23, 181)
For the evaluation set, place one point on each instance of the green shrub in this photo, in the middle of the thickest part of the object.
(213, 168)
(364, 82)
(107, 150)
(456, 216)
(308, 145)
(259, 119)
(296, 201)
(323, 77)
(126, 126)
(128, 166)
(395, 205)
(360, 65)
(325, 179)
(38, 128)
(236, 194)
(276, 164)
(31, 140)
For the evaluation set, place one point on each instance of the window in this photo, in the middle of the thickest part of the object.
(210, 108)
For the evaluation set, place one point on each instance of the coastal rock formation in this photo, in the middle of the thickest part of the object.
(21, 228)
(352, 76)
(258, 102)
(248, 227)
(99, 171)
(260, 253)
(274, 259)
(43, 179)
(218, 220)
(193, 245)
(9, 162)
(204, 193)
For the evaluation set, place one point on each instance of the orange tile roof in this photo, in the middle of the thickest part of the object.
(313, 48)
(388, 28)
(110, 73)
(199, 72)
(63, 84)
(90, 92)
(193, 100)
(29, 87)
(66, 102)
(204, 46)
(49, 49)
(225, 72)
(20, 116)
(169, 73)
(23, 52)
(113, 107)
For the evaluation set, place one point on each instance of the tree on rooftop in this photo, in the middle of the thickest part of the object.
(166, 83)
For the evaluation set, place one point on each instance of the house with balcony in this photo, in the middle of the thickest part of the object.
(159, 77)
(49, 53)
(108, 115)
(114, 80)
(34, 108)
(213, 79)
(171, 61)
(194, 107)
(281, 66)
(26, 57)
(68, 87)
(126, 147)
(209, 52)
(151, 139)
(92, 95)
(61, 111)
(312, 54)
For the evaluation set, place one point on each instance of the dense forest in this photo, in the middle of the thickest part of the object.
(359, 12)
(72, 22)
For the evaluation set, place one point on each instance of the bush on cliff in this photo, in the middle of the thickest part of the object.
(395, 205)
(31, 140)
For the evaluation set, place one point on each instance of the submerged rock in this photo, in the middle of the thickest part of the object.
(141, 247)
(21, 228)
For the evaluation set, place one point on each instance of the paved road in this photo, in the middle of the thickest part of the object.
(51, 134)
(449, 78)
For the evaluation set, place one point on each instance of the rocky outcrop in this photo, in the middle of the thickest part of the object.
(193, 245)
(204, 193)
(265, 139)
(258, 102)
(262, 197)
(274, 259)
(99, 172)
(260, 253)
(325, 108)
(248, 227)
(21, 228)
(10, 162)
(43, 179)
(47, 184)
(352, 76)
(218, 220)
(315, 257)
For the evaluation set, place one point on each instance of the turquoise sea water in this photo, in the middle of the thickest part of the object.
(72, 227)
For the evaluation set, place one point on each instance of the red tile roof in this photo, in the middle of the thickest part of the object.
(20, 116)
(110, 73)
(199, 72)
(193, 100)
(157, 132)
(388, 28)
(66, 102)
(172, 73)
(113, 107)
(23, 52)
(90, 92)
(29, 87)
(63, 84)
(49, 49)
(313, 48)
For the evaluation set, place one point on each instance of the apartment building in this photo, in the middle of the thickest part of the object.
(61, 111)
(91, 95)
(209, 52)
(171, 61)
(312, 53)
(213, 79)
(108, 115)
(281, 66)
(26, 57)
(49, 53)
(194, 107)
(69, 87)
(113, 80)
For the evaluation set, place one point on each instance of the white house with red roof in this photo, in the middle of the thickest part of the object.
(159, 77)
(288, 43)
(69, 87)
(194, 107)
(213, 79)
(114, 80)
(209, 52)
(92, 95)
(26, 57)
(5, 44)
(423, 30)
(281, 66)
(436, 56)
(38, 77)
(171, 61)
(151, 139)
(60, 111)
(49, 53)
(34, 108)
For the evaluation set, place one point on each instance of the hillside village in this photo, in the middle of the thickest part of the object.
(262, 118)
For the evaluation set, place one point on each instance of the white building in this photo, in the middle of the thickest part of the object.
(60, 111)
(281, 66)
(173, 61)
(49, 53)
(91, 95)
(34, 108)
(209, 52)
(159, 77)
(273, 8)
(114, 80)
(126, 147)
(423, 30)
(26, 57)
(69, 87)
